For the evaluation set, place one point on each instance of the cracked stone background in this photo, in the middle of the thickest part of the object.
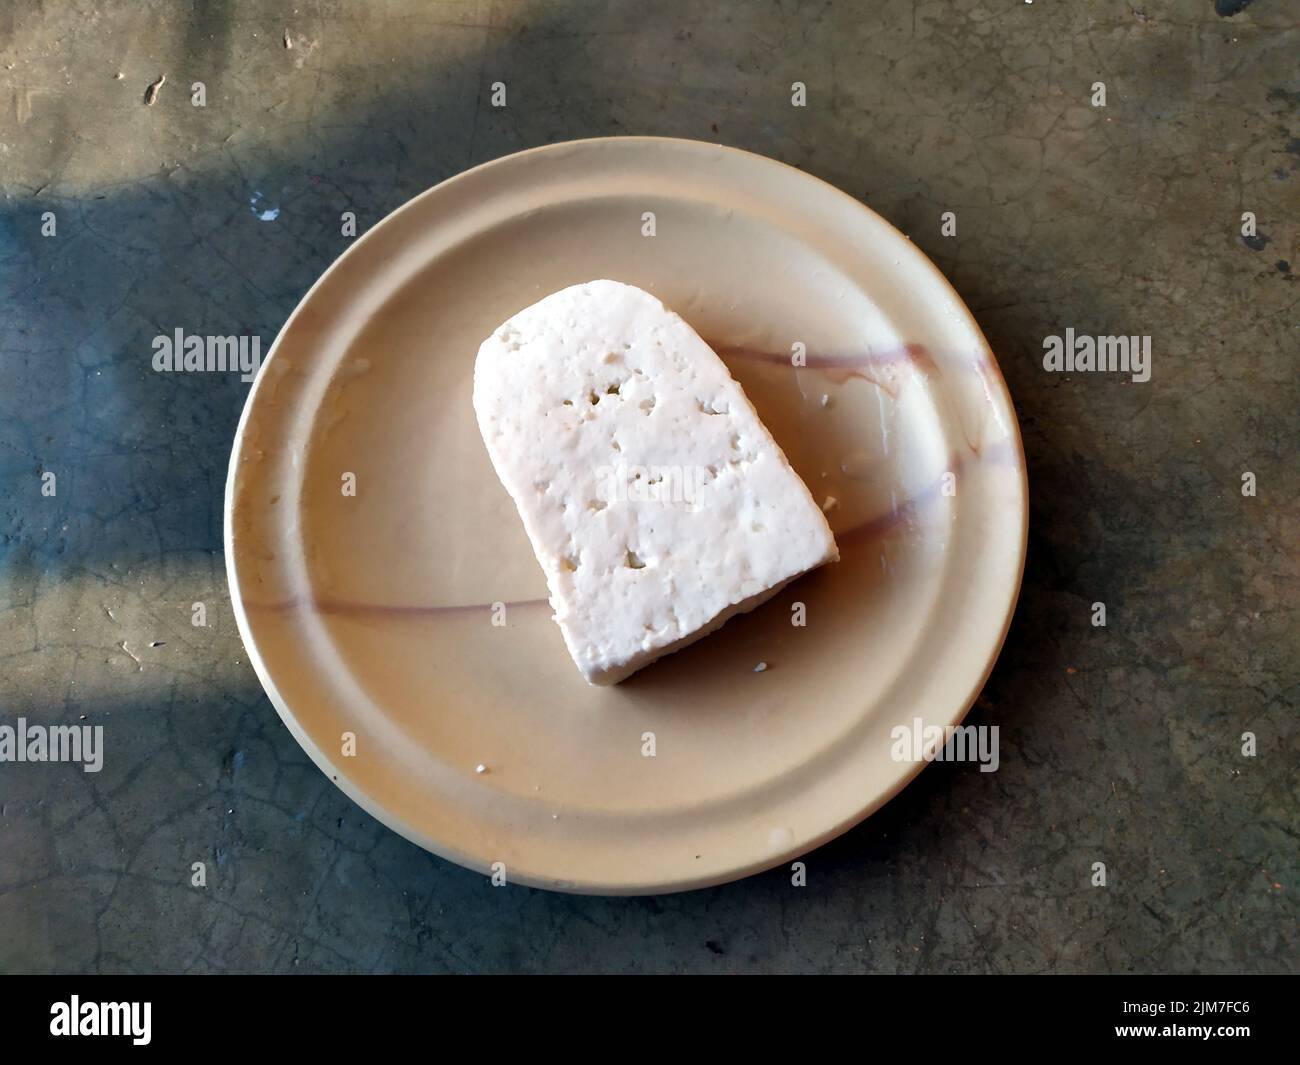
(1119, 745)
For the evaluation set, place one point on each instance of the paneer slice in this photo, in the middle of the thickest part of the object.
(657, 503)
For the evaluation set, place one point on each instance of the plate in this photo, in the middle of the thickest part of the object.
(394, 612)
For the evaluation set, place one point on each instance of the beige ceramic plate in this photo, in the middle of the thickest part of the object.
(371, 614)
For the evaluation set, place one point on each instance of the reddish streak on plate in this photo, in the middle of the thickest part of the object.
(838, 368)
(864, 532)
(344, 608)
(870, 366)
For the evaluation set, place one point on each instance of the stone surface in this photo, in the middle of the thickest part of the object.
(1120, 745)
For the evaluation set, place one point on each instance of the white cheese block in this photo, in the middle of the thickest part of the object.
(657, 503)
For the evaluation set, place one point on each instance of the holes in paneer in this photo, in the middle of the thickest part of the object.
(647, 405)
(542, 486)
(757, 526)
(568, 403)
(616, 445)
(570, 563)
(613, 356)
(711, 407)
(632, 560)
(596, 505)
(735, 441)
(592, 398)
(614, 389)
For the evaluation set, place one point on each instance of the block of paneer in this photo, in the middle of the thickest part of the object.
(657, 503)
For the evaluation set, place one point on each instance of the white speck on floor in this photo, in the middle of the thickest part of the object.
(270, 214)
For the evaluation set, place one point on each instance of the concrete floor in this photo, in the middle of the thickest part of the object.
(1120, 745)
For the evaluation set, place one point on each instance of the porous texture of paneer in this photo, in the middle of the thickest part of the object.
(657, 503)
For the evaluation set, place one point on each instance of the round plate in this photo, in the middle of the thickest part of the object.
(373, 555)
